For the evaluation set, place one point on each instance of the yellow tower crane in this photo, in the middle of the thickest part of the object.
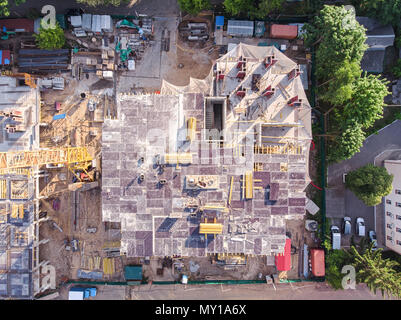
(73, 157)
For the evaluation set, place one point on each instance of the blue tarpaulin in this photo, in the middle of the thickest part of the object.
(219, 21)
(59, 116)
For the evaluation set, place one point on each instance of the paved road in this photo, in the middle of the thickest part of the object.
(342, 202)
(298, 291)
(149, 7)
(284, 291)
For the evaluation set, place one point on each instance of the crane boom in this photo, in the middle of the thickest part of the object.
(23, 159)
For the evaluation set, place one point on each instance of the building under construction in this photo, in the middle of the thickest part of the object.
(19, 206)
(213, 167)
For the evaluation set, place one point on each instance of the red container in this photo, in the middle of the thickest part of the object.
(283, 31)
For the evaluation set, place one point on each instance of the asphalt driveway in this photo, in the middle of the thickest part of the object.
(341, 202)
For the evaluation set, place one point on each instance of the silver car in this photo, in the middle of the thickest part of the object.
(347, 225)
(360, 227)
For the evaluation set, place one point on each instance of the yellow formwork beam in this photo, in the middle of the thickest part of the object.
(23, 159)
(21, 211)
(14, 211)
(175, 158)
(3, 189)
(231, 190)
(211, 228)
(212, 206)
(191, 129)
(248, 179)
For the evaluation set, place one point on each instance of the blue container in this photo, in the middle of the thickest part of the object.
(59, 116)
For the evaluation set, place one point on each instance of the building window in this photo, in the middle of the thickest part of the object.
(389, 238)
(398, 217)
(389, 214)
(389, 226)
(397, 191)
(399, 242)
(398, 230)
(398, 204)
(388, 201)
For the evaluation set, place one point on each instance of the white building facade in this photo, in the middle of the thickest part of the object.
(392, 207)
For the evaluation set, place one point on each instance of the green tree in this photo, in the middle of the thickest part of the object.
(340, 39)
(376, 272)
(348, 142)
(387, 11)
(52, 38)
(4, 11)
(366, 104)
(370, 183)
(335, 260)
(255, 9)
(339, 88)
(194, 6)
(264, 8)
(236, 7)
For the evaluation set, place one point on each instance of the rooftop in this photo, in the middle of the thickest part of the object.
(22, 101)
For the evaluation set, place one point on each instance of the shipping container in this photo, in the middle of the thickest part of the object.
(317, 262)
(281, 31)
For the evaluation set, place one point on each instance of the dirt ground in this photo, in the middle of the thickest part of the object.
(76, 129)
(196, 64)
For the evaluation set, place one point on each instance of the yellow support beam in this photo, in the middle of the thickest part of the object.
(213, 206)
(175, 158)
(248, 185)
(3, 189)
(231, 190)
(191, 129)
(14, 211)
(211, 228)
(21, 211)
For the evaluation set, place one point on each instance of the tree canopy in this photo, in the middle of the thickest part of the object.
(370, 183)
(52, 38)
(193, 6)
(339, 89)
(348, 142)
(371, 267)
(4, 11)
(254, 9)
(387, 11)
(366, 103)
(340, 38)
(376, 272)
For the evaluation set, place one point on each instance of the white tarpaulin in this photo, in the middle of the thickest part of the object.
(76, 21)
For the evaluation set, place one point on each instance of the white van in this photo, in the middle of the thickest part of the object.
(335, 238)
(360, 227)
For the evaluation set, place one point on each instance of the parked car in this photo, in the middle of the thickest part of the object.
(372, 237)
(347, 225)
(360, 227)
(79, 293)
(335, 238)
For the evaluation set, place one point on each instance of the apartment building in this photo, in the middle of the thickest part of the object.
(392, 206)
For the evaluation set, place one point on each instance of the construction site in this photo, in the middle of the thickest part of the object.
(221, 168)
(107, 160)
